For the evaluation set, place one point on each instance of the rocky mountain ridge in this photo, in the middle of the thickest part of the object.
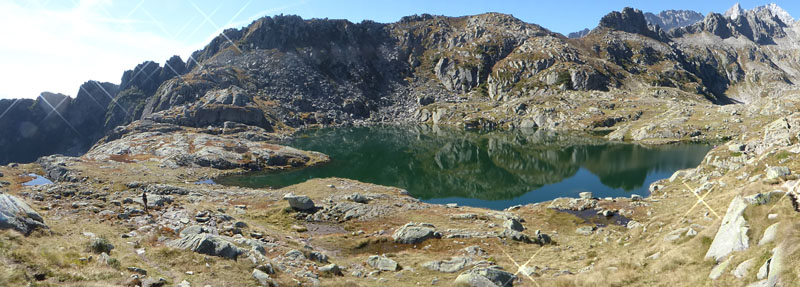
(490, 70)
(669, 19)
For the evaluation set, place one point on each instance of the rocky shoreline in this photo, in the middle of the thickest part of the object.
(328, 231)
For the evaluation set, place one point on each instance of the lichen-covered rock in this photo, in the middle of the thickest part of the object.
(299, 202)
(513, 224)
(198, 149)
(453, 265)
(208, 244)
(413, 233)
(382, 263)
(485, 276)
(263, 278)
(17, 215)
(732, 233)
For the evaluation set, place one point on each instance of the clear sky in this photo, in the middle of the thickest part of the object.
(55, 45)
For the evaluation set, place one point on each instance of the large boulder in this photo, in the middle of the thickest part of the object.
(513, 224)
(299, 202)
(208, 244)
(382, 263)
(413, 233)
(485, 276)
(732, 233)
(263, 278)
(17, 215)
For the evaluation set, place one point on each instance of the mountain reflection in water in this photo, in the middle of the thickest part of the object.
(493, 169)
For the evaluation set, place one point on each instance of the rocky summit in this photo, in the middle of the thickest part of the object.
(115, 187)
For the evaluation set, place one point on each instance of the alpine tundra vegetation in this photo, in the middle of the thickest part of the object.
(465, 95)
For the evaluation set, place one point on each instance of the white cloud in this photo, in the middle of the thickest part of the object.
(56, 50)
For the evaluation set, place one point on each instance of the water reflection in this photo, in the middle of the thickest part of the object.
(476, 167)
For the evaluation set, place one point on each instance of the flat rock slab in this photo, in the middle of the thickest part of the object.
(448, 266)
(382, 263)
(732, 233)
(208, 244)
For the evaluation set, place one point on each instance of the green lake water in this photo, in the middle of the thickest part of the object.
(492, 169)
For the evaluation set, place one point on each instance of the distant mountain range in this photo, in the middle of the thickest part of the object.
(666, 19)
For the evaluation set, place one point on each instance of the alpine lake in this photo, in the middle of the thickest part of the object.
(492, 169)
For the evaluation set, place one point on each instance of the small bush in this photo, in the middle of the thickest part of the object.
(706, 240)
(100, 245)
(114, 263)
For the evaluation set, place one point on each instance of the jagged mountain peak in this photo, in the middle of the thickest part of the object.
(772, 9)
(735, 11)
(669, 19)
(630, 20)
(776, 11)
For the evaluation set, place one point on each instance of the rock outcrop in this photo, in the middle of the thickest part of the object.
(17, 215)
(732, 233)
(485, 277)
(207, 244)
(201, 149)
(413, 233)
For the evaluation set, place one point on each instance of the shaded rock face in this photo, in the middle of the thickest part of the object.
(217, 107)
(632, 21)
(455, 78)
(669, 19)
(584, 80)
(28, 127)
(15, 214)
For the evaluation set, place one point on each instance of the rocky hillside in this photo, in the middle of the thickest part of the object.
(490, 70)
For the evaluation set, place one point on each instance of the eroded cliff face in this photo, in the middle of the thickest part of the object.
(490, 70)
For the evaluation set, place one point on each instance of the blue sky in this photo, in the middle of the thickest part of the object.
(56, 45)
